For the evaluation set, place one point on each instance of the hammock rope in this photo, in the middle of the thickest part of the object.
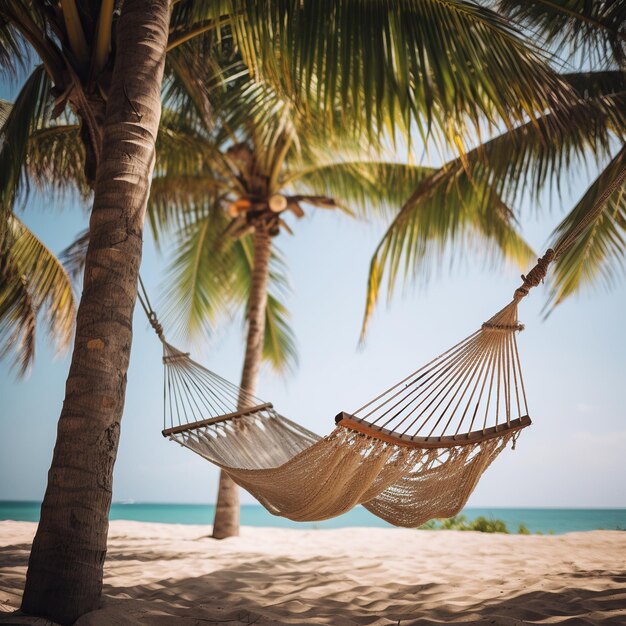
(413, 453)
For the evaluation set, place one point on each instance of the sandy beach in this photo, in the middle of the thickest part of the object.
(173, 574)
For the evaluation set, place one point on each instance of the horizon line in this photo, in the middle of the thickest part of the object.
(129, 502)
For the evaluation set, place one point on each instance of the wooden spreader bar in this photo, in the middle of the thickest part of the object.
(447, 441)
(216, 420)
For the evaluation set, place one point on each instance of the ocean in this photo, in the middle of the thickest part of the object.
(557, 521)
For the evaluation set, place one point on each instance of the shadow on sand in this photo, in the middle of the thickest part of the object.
(266, 591)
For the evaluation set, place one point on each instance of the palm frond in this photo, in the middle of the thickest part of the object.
(190, 173)
(14, 55)
(178, 145)
(34, 283)
(279, 345)
(178, 202)
(73, 257)
(18, 317)
(5, 109)
(526, 159)
(246, 109)
(196, 74)
(386, 65)
(25, 28)
(378, 187)
(185, 148)
(209, 280)
(56, 160)
(27, 114)
(589, 31)
(445, 213)
(497, 173)
(189, 15)
(206, 276)
(599, 255)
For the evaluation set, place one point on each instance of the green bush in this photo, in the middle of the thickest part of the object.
(484, 525)
(480, 524)
(458, 522)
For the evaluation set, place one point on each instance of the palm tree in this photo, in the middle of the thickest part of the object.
(64, 576)
(534, 155)
(385, 68)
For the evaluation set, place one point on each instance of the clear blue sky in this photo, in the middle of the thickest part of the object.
(574, 365)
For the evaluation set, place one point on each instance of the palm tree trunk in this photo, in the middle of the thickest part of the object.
(226, 522)
(64, 578)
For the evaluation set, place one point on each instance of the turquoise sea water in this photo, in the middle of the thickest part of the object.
(537, 520)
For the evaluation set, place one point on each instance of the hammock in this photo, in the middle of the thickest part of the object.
(413, 453)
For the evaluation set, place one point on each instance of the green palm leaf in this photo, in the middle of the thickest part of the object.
(523, 160)
(27, 114)
(56, 159)
(377, 187)
(385, 65)
(279, 345)
(34, 283)
(13, 49)
(599, 255)
(190, 172)
(197, 73)
(199, 283)
(444, 213)
(73, 257)
(528, 157)
(177, 202)
(593, 31)
(209, 279)
(5, 109)
(190, 16)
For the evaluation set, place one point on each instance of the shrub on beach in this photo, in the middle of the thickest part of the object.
(480, 524)
(484, 525)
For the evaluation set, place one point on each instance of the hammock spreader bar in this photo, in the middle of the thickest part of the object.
(167, 432)
(444, 441)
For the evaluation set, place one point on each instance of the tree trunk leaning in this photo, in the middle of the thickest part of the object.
(64, 578)
(226, 522)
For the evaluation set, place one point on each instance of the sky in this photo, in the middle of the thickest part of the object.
(574, 366)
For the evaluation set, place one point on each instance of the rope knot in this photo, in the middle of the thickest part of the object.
(535, 276)
(154, 322)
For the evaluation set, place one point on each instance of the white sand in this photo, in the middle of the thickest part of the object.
(169, 574)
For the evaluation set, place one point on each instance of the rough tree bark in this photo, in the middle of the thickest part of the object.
(226, 522)
(64, 578)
